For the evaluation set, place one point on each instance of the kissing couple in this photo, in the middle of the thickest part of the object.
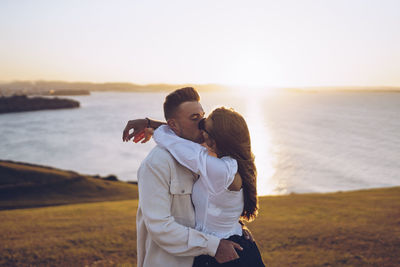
(197, 186)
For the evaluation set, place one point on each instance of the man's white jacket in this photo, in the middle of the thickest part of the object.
(165, 217)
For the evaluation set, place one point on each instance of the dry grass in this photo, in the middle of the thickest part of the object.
(101, 234)
(360, 228)
(343, 229)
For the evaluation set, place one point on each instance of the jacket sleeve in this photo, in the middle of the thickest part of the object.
(155, 201)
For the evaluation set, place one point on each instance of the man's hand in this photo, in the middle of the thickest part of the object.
(138, 127)
(226, 251)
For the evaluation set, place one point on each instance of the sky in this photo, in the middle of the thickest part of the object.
(253, 43)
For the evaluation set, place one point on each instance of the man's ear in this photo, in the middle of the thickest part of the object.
(173, 125)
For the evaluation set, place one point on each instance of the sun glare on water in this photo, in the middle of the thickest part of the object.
(261, 146)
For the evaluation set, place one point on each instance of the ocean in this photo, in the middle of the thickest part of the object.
(303, 142)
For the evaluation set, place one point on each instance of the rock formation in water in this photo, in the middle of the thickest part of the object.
(24, 103)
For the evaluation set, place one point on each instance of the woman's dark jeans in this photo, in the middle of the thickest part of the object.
(249, 257)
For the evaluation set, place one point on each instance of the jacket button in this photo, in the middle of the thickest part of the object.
(183, 191)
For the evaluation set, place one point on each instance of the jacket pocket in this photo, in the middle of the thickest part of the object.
(181, 187)
(181, 206)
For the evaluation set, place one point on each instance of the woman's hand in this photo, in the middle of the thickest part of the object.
(138, 127)
(146, 135)
(140, 130)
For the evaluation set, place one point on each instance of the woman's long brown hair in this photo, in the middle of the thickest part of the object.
(232, 138)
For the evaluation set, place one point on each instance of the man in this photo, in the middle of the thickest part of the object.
(165, 217)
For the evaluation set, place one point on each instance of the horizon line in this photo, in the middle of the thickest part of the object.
(206, 84)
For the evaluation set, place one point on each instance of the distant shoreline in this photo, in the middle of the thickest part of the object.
(342, 90)
(44, 87)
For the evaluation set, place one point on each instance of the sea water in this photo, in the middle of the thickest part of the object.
(303, 142)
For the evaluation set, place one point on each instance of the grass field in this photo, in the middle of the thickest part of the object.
(360, 228)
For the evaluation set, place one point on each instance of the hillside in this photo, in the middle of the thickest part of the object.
(26, 185)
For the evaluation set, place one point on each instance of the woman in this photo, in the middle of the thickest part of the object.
(226, 189)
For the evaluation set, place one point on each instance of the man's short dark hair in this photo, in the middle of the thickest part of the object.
(177, 97)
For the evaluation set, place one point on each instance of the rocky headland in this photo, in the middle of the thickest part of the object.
(20, 103)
